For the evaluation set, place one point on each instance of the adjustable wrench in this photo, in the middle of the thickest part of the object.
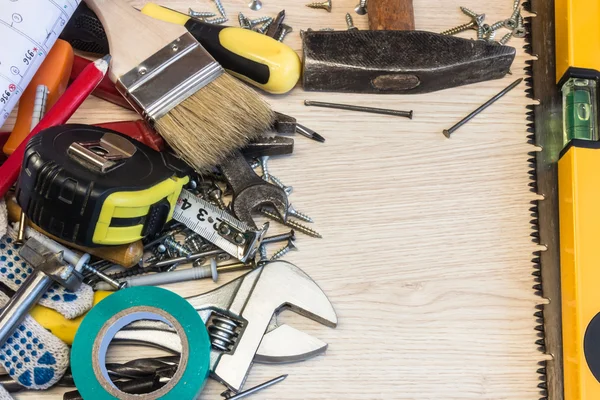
(239, 313)
(250, 191)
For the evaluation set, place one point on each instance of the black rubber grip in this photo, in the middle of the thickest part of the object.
(208, 36)
(85, 32)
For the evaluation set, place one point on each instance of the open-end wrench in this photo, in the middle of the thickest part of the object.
(280, 344)
(239, 313)
(250, 191)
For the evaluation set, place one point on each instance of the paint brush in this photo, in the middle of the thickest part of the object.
(171, 80)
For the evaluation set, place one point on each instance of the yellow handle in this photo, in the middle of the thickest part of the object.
(253, 57)
(57, 324)
(164, 14)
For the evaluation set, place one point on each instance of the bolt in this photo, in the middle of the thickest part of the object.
(284, 250)
(291, 235)
(244, 23)
(475, 22)
(325, 5)
(261, 20)
(255, 5)
(200, 14)
(216, 194)
(284, 30)
(448, 132)
(216, 21)
(350, 23)
(361, 8)
(506, 38)
(520, 31)
(263, 164)
(287, 189)
(220, 8)
(294, 213)
(292, 224)
(174, 245)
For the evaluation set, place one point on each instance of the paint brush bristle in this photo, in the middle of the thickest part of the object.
(221, 117)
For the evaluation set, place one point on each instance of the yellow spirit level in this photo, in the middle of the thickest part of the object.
(577, 74)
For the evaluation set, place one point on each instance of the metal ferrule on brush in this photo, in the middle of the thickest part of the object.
(168, 77)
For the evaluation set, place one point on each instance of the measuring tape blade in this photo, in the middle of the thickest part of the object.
(217, 226)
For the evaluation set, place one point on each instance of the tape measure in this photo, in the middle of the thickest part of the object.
(93, 186)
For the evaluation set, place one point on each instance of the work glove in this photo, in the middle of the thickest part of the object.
(33, 356)
(3, 218)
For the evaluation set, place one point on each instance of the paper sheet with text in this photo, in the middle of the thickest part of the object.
(28, 29)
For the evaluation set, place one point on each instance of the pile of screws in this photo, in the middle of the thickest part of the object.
(177, 245)
(514, 24)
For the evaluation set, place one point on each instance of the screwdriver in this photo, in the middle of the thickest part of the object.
(253, 57)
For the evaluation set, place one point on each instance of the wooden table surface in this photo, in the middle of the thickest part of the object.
(426, 250)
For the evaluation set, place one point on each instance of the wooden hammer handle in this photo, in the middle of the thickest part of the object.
(391, 15)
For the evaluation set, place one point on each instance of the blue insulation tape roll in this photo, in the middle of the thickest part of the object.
(88, 355)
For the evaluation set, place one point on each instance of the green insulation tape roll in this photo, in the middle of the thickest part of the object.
(88, 355)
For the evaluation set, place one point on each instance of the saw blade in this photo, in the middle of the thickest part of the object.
(218, 227)
(545, 132)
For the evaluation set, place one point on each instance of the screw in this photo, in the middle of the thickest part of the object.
(475, 22)
(104, 277)
(520, 31)
(497, 25)
(448, 132)
(350, 23)
(194, 243)
(372, 110)
(291, 235)
(506, 38)
(262, 252)
(284, 30)
(287, 189)
(200, 14)
(284, 250)
(216, 21)
(174, 245)
(490, 36)
(265, 169)
(470, 13)
(325, 5)
(511, 23)
(480, 33)
(220, 8)
(292, 224)
(361, 8)
(255, 5)
(296, 214)
(255, 163)
(258, 21)
(244, 23)
(263, 29)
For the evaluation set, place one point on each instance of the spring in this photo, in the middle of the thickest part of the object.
(222, 332)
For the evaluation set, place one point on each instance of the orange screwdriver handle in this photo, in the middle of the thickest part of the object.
(54, 73)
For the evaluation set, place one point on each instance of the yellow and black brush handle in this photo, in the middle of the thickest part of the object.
(253, 57)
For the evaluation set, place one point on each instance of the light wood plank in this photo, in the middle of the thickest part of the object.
(426, 250)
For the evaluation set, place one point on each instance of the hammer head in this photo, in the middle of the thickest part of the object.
(398, 62)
